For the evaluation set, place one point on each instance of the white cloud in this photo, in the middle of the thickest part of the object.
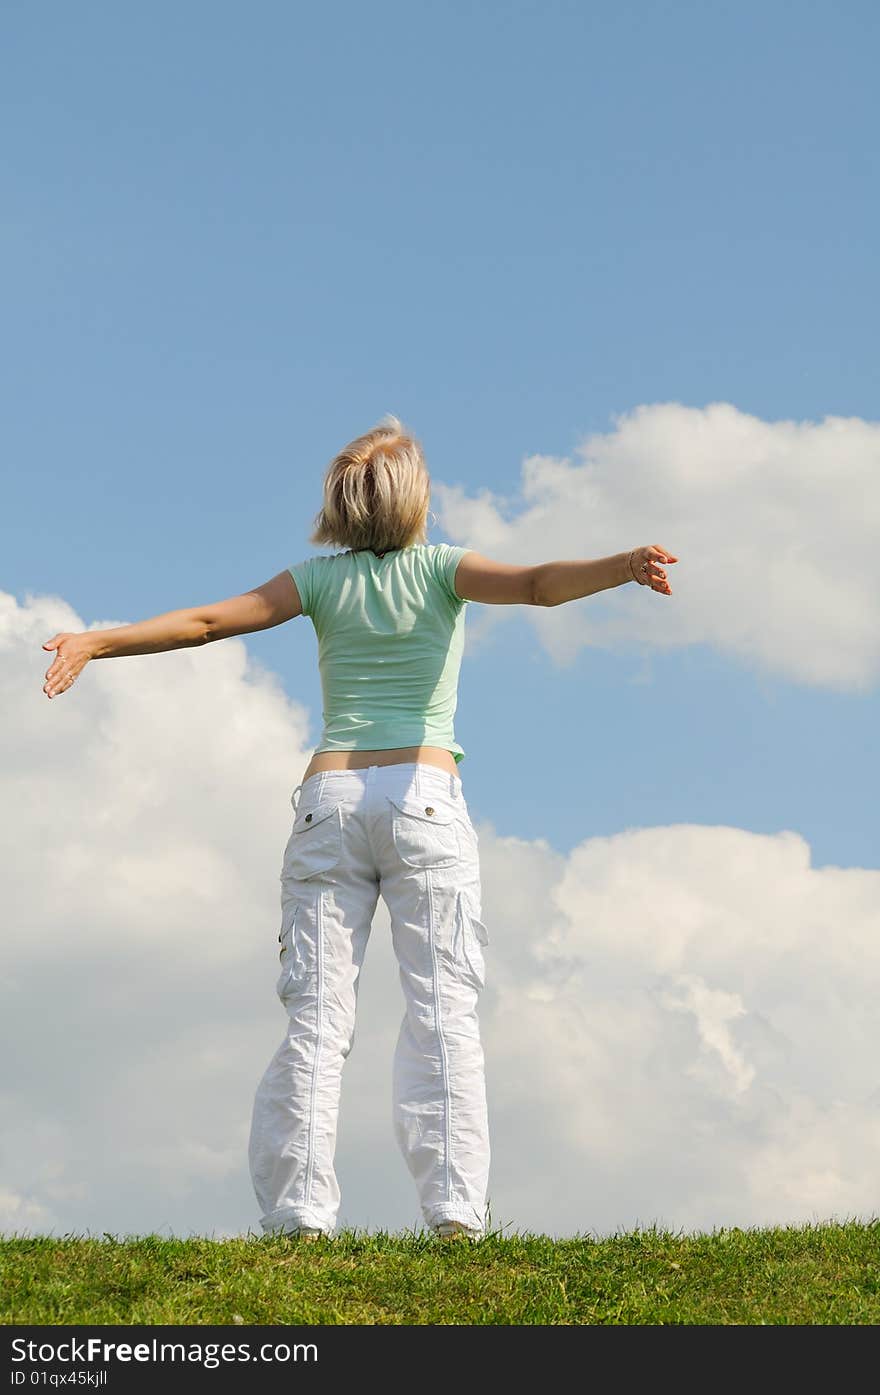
(712, 1011)
(680, 1021)
(775, 524)
(17, 1215)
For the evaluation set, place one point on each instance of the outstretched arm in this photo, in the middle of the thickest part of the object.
(559, 582)
(478, 578)
(260, 609)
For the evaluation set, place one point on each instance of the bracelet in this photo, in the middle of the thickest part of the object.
(631, 572)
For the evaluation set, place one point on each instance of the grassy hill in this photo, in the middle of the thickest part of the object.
(810, 1274)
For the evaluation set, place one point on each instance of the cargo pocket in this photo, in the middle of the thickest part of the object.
(424, 831)
(471, 938)
(315, 844)
(291, 953)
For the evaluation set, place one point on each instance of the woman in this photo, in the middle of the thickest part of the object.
(381, 812)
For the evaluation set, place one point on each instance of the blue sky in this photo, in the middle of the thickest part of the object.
(234, 236)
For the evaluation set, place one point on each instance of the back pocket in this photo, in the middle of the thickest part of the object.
(315, 844)
(425, 831)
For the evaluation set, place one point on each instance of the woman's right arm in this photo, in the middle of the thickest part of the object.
(478, 578)
(559, 582)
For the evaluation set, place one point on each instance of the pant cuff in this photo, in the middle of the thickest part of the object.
(288, 1218)
(455, 1211)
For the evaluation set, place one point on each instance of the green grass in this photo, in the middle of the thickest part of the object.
(809, 1274)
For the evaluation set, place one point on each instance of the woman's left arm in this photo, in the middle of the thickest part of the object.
(260, 609)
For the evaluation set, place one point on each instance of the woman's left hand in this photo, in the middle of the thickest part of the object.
(72, 653)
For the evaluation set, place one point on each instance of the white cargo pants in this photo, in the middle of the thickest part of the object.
(402, 832)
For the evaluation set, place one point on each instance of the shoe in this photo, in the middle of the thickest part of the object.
(456, 1230)
(307, 1232)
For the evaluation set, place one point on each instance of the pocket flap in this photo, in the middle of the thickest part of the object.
(480, 930)
(428, 810)
(310, 817)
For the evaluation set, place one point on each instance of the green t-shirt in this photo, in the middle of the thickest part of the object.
(390, 639)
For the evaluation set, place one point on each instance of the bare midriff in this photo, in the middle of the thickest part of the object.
(359, 760)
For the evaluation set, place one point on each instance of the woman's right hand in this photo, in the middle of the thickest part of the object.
(645, 568)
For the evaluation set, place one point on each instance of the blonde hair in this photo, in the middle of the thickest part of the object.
(376, 492)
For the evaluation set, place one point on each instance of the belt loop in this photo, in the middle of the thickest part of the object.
(293, 799)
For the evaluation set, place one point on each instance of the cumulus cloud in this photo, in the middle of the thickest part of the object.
(680, 1021)
(775, 524)
(705, 1014)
